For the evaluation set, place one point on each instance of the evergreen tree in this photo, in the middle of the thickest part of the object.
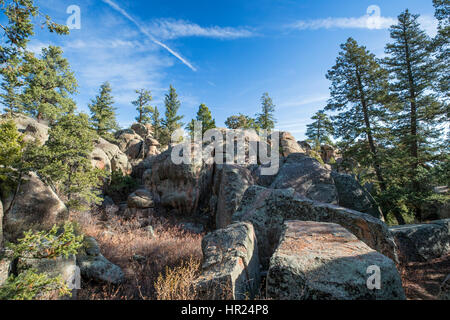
(241, 122)
(442, 46)
(103, 115)
(205, 117)
(359, 88)
(142, 106)
(320, 130)
(64, 161)
(172, 120)
(266, 120)
(418, 113)
(17, 30)
(48, 85)
(156, 123)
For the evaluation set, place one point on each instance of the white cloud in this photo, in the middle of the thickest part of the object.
(171, 29)
(150, 36)
(372, 20)
(301, 101)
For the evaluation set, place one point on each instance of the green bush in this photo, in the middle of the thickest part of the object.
(48, 244)
(120, 186)
(30, 285)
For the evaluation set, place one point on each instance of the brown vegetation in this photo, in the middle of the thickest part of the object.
(142, 257)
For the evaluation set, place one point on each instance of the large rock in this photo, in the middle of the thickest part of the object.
(35, 207)
(423, 242)
(140, 199)
(130, 143)
(179, 186)
(230, 183)
(142, 129)
(5, 267)
(329, 154)
(94, 266)
(267, 209)
(289, 145)
(444, 289)
(117, 159)
(353, 196)
(230, 267)
(63, 267)
(323, 261)
(308, 177)
(33, 131)
(435, 210)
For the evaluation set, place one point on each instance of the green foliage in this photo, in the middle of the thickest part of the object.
(103, 115)
(17, 30)
(63, 162)
(241, 122)
(442, 47)
(48, 244)
(48, 85)
(30, 285)
(172, 120)
(142, 106)
(11, 152)
(321, 129)
(120, 186)
(266, 119)
(205, 117)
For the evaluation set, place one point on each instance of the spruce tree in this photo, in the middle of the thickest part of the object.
(442, 46)
(64, 161)
(320, 130)
(156, 123)
(142, 106)
(266, 120)
(48, 85)
(103, 115)
(415, 120)
(205, 117)
(359, 88)
(172, 120)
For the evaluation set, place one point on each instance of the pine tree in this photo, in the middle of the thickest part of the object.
(320, 130)
(172, 120)
(442, 46)
(358, 91)
(142, 106)
(64, 161)
(241, 121)
(205, 117)
(103, 115)
(415, 123)
(266, 120)
(48, 85)
(17, 30)
(156, 123)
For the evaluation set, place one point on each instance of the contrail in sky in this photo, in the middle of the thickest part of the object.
(145, 32)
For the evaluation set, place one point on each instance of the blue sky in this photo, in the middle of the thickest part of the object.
(225, 54)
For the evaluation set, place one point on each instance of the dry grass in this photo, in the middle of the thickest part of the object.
(178, 283)
(142, 257)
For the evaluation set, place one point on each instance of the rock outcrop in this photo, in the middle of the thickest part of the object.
(308, 177)
(423, 242)
(230, 267)
(35, 206)
(108, 156)
(137, 142)
(323, 261)
(140, 199)
(63, 267)
(267, 209)
(94, 266)
(289, 145)
(230, 183)
(179, 186)
(353, 196)
(33, 131)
